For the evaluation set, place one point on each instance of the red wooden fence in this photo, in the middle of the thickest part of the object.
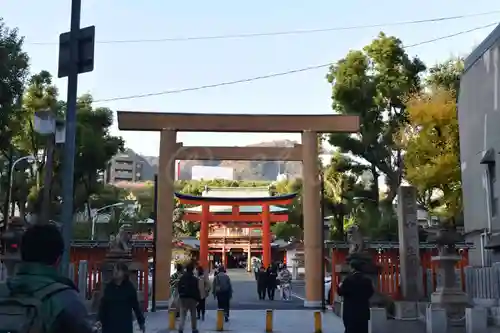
(389, 273)
(95, 257)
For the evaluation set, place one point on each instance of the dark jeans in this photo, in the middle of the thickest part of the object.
(200, 308)
(356, 326)
(270, 292)
(261, 290)
(223, 300)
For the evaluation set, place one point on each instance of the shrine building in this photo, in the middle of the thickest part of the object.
(236, 224)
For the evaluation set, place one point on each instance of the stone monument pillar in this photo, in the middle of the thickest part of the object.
(411, 282)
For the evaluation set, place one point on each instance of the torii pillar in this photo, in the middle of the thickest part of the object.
(165, 209)
(313, 227)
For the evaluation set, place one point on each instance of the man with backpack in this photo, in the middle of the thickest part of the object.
(189, 296)
(223, 291)
(39, 299)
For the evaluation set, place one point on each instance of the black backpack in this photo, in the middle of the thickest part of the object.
(188, 284)
(22, 313)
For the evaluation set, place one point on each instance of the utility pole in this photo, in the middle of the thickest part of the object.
(80, 59)
(47, 180)
(322, 189)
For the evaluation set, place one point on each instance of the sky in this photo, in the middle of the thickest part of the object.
(124, 69)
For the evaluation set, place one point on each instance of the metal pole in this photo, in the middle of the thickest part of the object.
(323, 301)
(47, 182)
(94, 218)
(155, 229)
(11, 183)
(69, 147)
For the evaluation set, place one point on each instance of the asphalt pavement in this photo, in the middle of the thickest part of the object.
(245, 295)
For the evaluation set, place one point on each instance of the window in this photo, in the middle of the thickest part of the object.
(492, 178)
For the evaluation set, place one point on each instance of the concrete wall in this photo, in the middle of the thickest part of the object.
(479, 117)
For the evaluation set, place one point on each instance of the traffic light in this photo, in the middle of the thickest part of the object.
(12, 241)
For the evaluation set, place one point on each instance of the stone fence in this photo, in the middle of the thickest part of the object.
(483, 287)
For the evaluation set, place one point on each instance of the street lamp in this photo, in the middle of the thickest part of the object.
(364, 198)
(47, 125)
(30, 159)
(95, 215)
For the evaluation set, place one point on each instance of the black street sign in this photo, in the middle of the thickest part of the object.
(85, 56)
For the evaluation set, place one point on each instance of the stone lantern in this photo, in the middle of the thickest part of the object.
(448, 294)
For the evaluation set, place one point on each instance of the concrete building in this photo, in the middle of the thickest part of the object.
(129, 167)
(203, 172)
(479, 117)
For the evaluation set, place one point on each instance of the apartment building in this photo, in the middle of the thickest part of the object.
(129, 167)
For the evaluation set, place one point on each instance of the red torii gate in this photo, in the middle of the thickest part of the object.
(262, 220)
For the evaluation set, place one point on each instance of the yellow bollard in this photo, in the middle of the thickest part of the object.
(317, 322)
(219, 324)
(171, 319)
(269, 320)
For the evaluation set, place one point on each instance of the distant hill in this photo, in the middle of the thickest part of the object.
(246, 170)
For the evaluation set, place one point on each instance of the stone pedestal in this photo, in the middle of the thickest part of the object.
(378, 321)
(406, 310)
(476, 320)
(448, 295)
(112, 258)
(436, 321)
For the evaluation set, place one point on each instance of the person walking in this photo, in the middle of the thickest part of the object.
(272, 282)
(189, 296)
(255, 268)
(356, 290)
(174, 295)
(223, 291)
(204, 286)
(262, 282)
(118, 302)
(285, 279)
(37, 277)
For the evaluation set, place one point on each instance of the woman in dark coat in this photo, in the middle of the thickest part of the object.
(272, 282)
(118, 303)
(356, 289)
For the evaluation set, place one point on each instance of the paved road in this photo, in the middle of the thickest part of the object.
(245, 295)
(252, 321)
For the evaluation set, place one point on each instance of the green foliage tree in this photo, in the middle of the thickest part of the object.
(373, 83)
(14, 69)
(341, 186)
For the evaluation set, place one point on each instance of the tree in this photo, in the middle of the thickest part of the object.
(14, 69)
(432, 160)
(446, 75)
(372, 83)
(341, 186)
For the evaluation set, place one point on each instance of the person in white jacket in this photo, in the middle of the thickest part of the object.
(285, 279)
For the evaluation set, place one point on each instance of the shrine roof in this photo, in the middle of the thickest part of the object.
(236, 192)
(235, 199)
(242, 209)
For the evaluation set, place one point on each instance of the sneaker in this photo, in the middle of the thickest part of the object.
(226, 319)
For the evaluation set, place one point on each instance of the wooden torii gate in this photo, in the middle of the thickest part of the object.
(168, 124)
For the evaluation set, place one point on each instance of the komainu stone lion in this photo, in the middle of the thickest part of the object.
(121, 242)
(355, 239)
